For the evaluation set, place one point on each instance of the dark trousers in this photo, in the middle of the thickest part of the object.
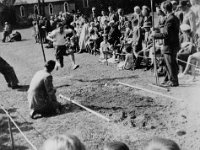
(5, 34)
(60, 52)
(171, 68)
(8, 72)
(140, 58)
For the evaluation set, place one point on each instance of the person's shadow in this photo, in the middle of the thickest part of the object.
(23, 88)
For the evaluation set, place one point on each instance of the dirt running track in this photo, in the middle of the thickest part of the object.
(136, 115)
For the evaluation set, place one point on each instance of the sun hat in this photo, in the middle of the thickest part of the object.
(185, 27)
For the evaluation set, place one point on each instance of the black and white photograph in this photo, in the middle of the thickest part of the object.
(99, 74)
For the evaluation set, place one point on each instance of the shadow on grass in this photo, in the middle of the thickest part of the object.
(17, 147)
(62, 86)
(108, 79)
(23, 88)
(10, 110)
(24, 126)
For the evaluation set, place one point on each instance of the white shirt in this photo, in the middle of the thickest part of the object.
(104, 46)
(59, 39)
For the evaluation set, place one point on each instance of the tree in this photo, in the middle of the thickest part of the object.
(7, 2)
(7, 12)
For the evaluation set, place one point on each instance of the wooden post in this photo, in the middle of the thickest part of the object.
(154, 47)
(11, 134)
(41, 42)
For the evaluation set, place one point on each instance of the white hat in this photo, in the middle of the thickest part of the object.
(111, 22)
(185, 27)
(174, 2)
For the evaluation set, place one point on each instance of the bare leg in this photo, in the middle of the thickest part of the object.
(188, 64)
(73, 58)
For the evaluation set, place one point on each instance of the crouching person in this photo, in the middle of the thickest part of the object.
(41, 94)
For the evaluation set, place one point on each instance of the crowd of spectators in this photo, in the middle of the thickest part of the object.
(116, 36)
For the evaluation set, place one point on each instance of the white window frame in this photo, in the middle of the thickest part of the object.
(22, 11)
(50, 6)
(66, 3)
(36, 7)
(85, 3)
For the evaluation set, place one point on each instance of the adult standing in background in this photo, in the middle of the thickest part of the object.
(138, 15)
(93, 16)
(171, 45)
(196, 9)
(111, 14)
(84, 35)
(7, 31)
(188, 16)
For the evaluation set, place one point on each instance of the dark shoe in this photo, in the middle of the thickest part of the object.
(16, 87)
(75, 67)
(9, 85)
(164, 82)
(32, 114)
(171, 84)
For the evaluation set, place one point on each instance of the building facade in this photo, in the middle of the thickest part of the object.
(24, 8)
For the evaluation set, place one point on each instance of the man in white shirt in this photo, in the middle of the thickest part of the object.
(7, 31)
(60, 37)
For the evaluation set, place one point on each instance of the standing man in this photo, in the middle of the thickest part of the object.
(171, 45)
(111, 14)
(9, 74)
(137, 15)
(93, 16)
(59, 38)
(7, 31)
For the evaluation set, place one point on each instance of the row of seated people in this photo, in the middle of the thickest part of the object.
(71, 142)
(136, 41)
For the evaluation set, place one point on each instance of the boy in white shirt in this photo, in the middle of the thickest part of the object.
(104, 47)
(58, 37)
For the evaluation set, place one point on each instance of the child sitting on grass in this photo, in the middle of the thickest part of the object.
(129, 61)
(104, 48)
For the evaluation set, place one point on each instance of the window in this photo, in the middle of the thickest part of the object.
(36, 10)
(85, 3)
(66, 6)
(50, 9)
(22, 12)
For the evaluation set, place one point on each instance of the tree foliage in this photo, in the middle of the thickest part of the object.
(7, 2)
(7, 12)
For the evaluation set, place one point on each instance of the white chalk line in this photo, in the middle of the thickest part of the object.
(88, 109)
(150, 91)
(34, 147)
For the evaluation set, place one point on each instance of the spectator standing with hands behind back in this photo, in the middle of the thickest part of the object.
(171, 45)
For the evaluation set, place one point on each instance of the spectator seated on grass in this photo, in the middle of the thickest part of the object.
(16, 36)
(115, 146)
(161, 144)
(63, 142)
(129, 62)
(104, 49)
(41, 94)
